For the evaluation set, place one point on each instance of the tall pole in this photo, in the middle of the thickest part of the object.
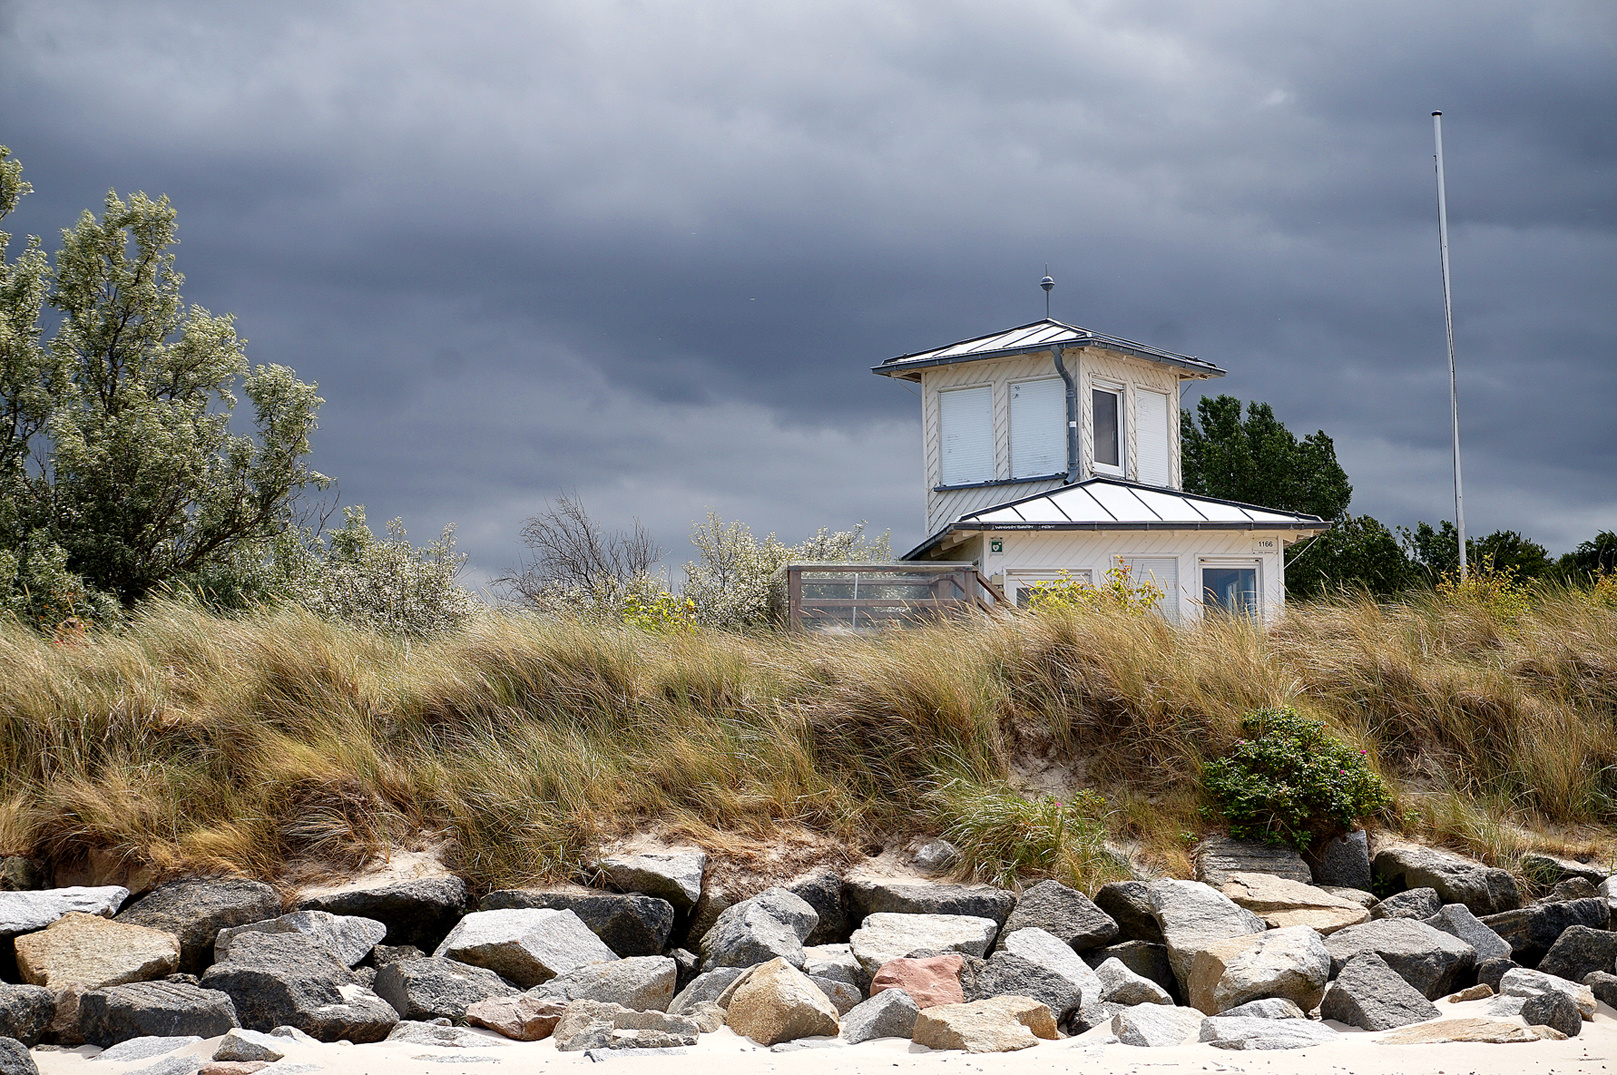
(1448, 323)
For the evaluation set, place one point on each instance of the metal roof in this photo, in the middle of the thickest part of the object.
(1114, 504)
(1038, 336)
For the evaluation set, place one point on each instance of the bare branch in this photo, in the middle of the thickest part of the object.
(572, 553)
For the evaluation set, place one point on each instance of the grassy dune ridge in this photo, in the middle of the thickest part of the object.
(281, 746)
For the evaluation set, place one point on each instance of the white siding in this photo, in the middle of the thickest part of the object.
(1099, 368)
(1154, 445)
(1164, 572)
(967, 418)
(1096, 551)
(944, 507)
(1038, 427)
(1088, 364)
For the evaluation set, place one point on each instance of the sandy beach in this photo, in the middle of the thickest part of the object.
(725, 1053)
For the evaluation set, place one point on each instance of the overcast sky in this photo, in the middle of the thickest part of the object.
(647, 252)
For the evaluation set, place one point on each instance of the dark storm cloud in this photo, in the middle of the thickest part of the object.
(647, 251)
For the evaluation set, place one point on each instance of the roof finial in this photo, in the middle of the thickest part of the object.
(1047, 283)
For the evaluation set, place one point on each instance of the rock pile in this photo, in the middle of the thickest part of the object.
(1254, 955)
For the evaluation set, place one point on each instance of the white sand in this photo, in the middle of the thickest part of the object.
(724, 1053)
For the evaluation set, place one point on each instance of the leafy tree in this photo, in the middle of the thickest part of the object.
(35, 583)
(1435, 552)
(1509, 550)
(1257, 460)
(116, 456)
(24, 397)
(1597, 556)
(1358, 552)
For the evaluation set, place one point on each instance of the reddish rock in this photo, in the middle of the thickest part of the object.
(233, 1067)
(930, 982)
(87, 950)
(523, 1017)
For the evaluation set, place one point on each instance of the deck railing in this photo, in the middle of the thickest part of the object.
(846, 597)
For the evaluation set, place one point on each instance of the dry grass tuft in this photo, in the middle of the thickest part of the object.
(281, 746)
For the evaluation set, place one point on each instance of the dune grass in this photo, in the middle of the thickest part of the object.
(281, 746)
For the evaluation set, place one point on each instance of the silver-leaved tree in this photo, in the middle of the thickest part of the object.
(119, 473)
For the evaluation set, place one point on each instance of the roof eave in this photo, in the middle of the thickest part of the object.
(1300, 529)
(1141, 524)
(903, 368)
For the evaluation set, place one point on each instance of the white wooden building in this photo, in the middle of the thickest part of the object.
(1049, 448)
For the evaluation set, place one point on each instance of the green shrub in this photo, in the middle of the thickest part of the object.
(1498, 590)
(659, 611)
(1292, 782)
(1119, 591)
(37, 587)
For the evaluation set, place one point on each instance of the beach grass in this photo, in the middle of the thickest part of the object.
(276, 745)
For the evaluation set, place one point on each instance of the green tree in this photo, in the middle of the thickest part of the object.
(1435, 552)
(1358, 552)
(1508, 549)
(119, 467)
(24, 398)
(1257, 460)
(1595, 556)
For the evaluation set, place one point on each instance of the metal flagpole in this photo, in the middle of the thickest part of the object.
(1448, 323)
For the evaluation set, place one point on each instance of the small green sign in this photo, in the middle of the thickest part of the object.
(996, 545)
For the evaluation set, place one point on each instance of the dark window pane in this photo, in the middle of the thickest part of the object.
(1106, 447)
(1233, 589)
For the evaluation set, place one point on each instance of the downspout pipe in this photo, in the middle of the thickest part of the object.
(1072, 415)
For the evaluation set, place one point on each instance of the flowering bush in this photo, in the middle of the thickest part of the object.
(605, 600)
(1119, 591)
(659, 611)
(1604, 590)
(729, 586)
(384, 584)
(1496, 589)
(1290, 781)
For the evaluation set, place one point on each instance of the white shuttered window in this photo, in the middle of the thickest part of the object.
(1038, 427)
(966, 418)
(1154, 440)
